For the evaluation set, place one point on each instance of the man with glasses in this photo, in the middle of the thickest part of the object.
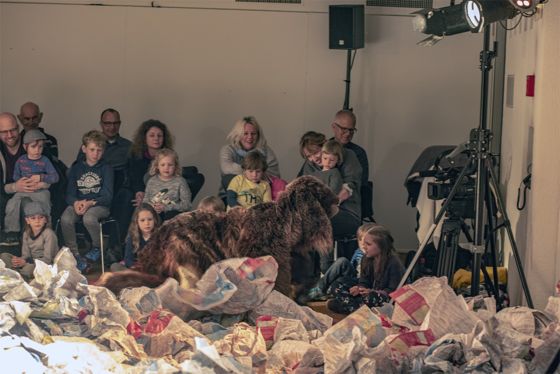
(116, 154)
(30, 117)
(344, 128)
(11, 148)
(117, 148)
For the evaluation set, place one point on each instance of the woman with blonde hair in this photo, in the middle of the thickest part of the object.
(246, 136)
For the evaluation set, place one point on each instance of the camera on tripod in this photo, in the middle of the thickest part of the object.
(462, 204)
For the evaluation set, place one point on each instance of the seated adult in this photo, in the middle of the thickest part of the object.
(344, 128)
(117, 148)
(30, 117)
(246, 136)
(151, 136)
(348, 219)
(11, 148)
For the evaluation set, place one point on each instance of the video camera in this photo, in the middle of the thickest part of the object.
(462, 204)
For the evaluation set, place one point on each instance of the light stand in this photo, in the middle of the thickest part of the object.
(479, 145)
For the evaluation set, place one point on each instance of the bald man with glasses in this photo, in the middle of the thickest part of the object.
(344, 128)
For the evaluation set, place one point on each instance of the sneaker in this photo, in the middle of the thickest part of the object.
(316, 294)
(335, 305)
(9, 238)
(93, 255)
(82, 264)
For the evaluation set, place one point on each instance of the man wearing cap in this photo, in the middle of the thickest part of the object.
(30, 117)
(39, 242)
(39, 169)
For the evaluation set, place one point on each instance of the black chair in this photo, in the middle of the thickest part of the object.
(194, 179)
(366, 192)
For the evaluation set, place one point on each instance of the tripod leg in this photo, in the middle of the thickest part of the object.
(447, 249)
(507, 223)
(437, 220)
(491, 240)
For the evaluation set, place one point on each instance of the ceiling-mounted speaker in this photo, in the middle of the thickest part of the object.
(346, 26)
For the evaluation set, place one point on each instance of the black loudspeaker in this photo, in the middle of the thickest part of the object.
(346, 26)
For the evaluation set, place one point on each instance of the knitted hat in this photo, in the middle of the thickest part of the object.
(34, 208)
(33, 135)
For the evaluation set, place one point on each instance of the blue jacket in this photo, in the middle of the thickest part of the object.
(90, 183)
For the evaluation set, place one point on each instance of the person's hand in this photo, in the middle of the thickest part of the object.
(80, 207)
(17, 262)
(35, 178)
(355, 290)
(138, 198)
(25, 184)
(343, 195)
(365, 291)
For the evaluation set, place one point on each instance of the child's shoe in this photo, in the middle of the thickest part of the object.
(82, 264)
(93, 255)
(316, 294)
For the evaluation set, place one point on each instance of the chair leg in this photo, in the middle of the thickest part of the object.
(102, 247)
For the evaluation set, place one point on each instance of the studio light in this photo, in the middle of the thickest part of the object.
(524, 5)
(470, 15)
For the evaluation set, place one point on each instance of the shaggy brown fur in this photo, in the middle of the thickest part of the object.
(187, 245)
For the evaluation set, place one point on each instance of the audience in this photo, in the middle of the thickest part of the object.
(342, 268)
(344, 128)
(144, 223)
(30, 118)
(331, 157)
(211, 204)
(348, 219)
(11, 149)
(108, 163)
(38, 168)
(167, 191)
(381, 272)
(151, 136)
(89, 195)
(246, 136)
(250, 188)
(117, 148)
(39, 242)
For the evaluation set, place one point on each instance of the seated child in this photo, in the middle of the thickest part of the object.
(331, 157)
(167, 191)
(35, 166)
(250, 188)
(381, 272)
(342, 268)
(39, 242)
(88, 194)
(145, 222)
(211, 204)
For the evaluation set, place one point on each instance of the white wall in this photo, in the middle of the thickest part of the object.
(199, 69)
(531, 134)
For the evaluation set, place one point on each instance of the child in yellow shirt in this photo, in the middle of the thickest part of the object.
(251, 187)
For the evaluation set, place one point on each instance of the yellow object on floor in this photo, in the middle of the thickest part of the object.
(462, 277)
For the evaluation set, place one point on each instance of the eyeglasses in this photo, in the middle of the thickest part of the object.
(9, 131)
(346, 130)
(111, 123)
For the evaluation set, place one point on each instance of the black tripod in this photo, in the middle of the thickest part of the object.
(479, 144)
